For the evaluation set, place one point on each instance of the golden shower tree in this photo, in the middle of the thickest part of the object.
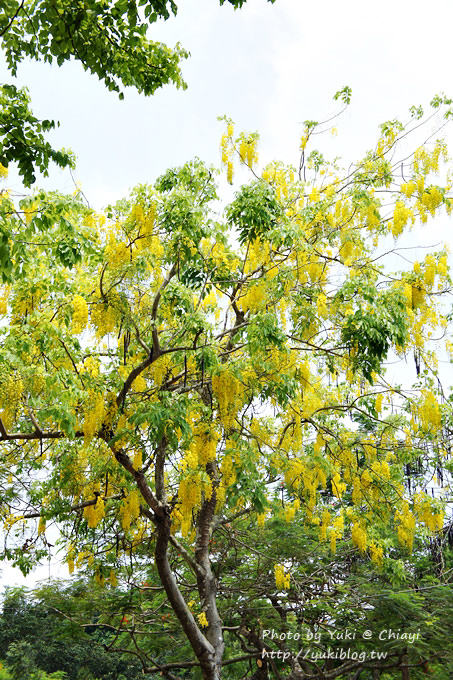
(192, 371)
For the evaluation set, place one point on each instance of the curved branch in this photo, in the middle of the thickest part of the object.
(8, 26)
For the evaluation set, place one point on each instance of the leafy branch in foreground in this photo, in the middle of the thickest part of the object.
(22, 139)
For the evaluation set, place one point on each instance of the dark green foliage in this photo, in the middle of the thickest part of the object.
(254, 211)
(370, 334)
(108, 38)
(34, 637)
(22, 139)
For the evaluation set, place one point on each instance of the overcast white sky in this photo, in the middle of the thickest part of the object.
(268, 67)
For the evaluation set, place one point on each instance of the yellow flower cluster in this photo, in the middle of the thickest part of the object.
(91, 366)
(229, 393)
(99, 578)
(139, 384)
(248, 151)
(117, 253)
(155, 248)
(425, 161)
(304, 139)
(401, 215)
(4, 293)
(79, 314)
(160, 368)
(254, 298)
(291, 509)
(335, 531)
(429, 412)
(103, 318)
(259, 254)
(282, 577)
(417, 295)
(378, 403)
(94, 513)
(321, 306)
(10, 520)
(359, 536)
(210, 301)
(431, 199)
(202, 620)
(137, 460)
(281, 178)
(406, 526)
(386, 141)
(190, 496)
(202, 448)
(130, 509)
(315, 271)
(226, 148)
(310, 404)
(430, 270)
(319, 442)
(338, 487)
(381, 468)
(428, 513)
(325, 523)
(348, 249)
(261, 519)
(3, 172)
(94, 415)
(442, 267)
(408, 188)
(433, 520)
(10, 397)
(29, 212)
(304, 477)
(144, 222)
(376, 554)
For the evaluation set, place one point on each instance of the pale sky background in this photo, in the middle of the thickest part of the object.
(268, 67)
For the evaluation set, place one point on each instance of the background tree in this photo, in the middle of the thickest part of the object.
(195, 372)
(56, 643)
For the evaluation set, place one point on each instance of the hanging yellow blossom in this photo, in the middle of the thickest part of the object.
(94, 415)
(282, 577)
(80, 314)
(202, 620)
(359, 537)
(229, 393)
(376, 554)
(130, 509)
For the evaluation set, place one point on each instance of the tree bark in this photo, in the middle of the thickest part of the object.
(203, 649)
(206, 581)
(405, 670)
(208, 648)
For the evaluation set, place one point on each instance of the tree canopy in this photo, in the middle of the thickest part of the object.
(192, 378)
